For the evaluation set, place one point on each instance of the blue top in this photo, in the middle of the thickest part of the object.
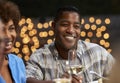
(17, 68)
(1, 79)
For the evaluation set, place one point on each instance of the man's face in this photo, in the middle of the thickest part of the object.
(67, 30)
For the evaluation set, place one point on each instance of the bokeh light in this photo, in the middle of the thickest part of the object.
(91, 19)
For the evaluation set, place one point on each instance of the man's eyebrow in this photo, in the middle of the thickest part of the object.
(63, 20)
(77, 22)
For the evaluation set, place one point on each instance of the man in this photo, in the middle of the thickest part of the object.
(67, 28)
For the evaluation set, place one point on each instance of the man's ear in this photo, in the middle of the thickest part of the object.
(53, 25)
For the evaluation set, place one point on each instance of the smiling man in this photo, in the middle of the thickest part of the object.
(67, 28)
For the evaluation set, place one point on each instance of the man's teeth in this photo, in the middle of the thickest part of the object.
(10, 43)
(70, 37)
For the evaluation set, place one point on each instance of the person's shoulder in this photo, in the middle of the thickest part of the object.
(89, 44)
(39, 52)
(45, 48)
(13, 57)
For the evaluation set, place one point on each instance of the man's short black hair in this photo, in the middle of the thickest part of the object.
(64, 9)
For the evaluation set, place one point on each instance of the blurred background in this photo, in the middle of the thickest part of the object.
(100, 24)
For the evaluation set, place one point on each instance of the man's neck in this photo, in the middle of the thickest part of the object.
(62, 52)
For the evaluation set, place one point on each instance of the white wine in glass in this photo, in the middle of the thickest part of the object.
(58, 78)
(62, 80)
(75, 66)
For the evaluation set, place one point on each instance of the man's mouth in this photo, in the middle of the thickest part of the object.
(70, 37)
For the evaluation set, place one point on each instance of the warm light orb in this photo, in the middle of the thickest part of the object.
(36, 44)
(93, 27)
(49, 41)
(28, 20)
(107, 44)
(83, 34)
(109, 50)
(21, 22)
(98, 21)
(33, 48)
(99, 30)
(106, 36)
(34, 31)
(26, 39)
(16, 50)
(98, 34)
(90, 34)
(30, 26)
(87, 26)
(51, 33)
(103, 28)
(34, 39)
(19, 55)
(102, 42)
(107, 21)
(91, 19)
(25, 49)
(50, 23)
(45, 34)
(26, 57)
(45, 25)
(82, 21)
(87, 40)
(39, 25)
(17, 44)
(24, 29)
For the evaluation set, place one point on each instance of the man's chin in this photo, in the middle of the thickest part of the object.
(70, 47)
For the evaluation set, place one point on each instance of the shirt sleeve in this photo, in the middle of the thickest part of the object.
(33, 68)
(109, 61)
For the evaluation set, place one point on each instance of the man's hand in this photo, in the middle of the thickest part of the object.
(75, 78)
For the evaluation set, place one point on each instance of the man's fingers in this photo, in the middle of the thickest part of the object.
(77, 78)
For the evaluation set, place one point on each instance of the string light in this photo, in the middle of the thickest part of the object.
(87, 26)
(83, 34)
(45, 25)
(91, 19)
(106, 36)
(82, 21)
(93, 27)
(39, 25)
(107, 21)
(98, 21)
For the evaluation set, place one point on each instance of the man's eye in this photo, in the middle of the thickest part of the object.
(77, 26)
(65, 25)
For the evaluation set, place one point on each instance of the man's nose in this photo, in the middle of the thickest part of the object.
(71, 29)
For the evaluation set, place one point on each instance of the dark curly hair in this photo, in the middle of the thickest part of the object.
(64, 9)
(9, 11)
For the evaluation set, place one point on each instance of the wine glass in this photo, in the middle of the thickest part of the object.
(75, 66)
(57, 78)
